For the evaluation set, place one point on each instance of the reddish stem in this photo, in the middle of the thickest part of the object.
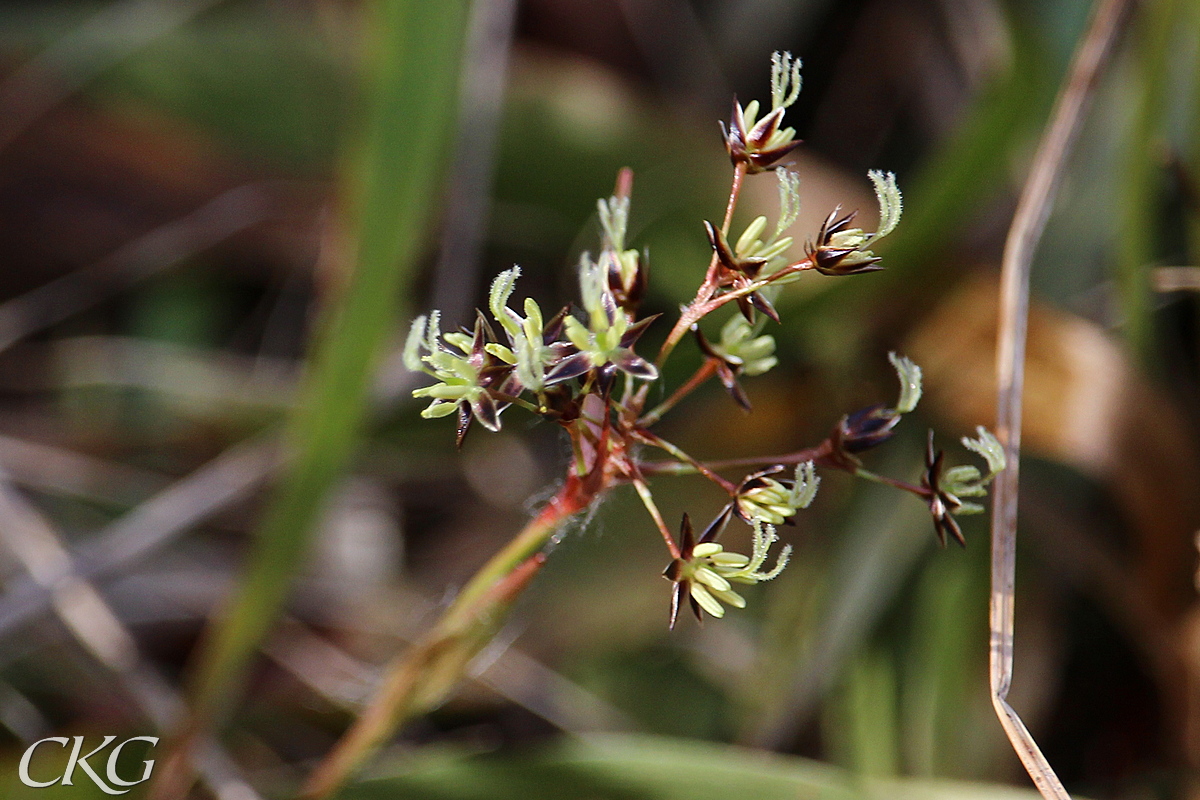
(735, 190)
(818, 454)
(648, 500)
(650, 439)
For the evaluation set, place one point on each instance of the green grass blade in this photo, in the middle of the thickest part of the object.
(393, 171)
(639, 767)
(1143, 174)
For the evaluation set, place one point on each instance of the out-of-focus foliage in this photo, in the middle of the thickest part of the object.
(869, 653)
(624, 767)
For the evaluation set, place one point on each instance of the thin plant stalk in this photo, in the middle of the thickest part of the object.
(424, 675)
(1029, 222)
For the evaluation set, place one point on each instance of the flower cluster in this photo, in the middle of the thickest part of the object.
(539, 356)
(741, 350)
(564, 367)
(468, 380)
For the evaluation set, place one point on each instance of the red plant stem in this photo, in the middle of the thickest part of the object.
(648, 501)
(735, 190)
(655, 441)
(818, 454)
(919, 491)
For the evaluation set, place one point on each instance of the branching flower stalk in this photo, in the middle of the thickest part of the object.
(579, 368)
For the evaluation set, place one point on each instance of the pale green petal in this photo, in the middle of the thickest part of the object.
(577, 333)
(501, 352)
(707, 601)
(750, 114)
(774, 249)
(533, 320)
(462, 341)
(731, 598)
(759, 365)
(711, 579)
(706, 549)
(750, 235)
(442, 391)
(768, 516)
(439, 408)
(730, 560)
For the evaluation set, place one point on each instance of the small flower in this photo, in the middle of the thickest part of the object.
(761, 498)
(741, 345)
(738, 273)
(947, 487)
(705, 572)
(841, 250)
(739, 352)
(607, 343)
(942, 504)
(872, 426)
(466, 379)
(539, 359)
(759, 144)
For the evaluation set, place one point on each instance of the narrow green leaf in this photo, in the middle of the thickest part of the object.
(629, 767)
(393, 170)
(1143, 173)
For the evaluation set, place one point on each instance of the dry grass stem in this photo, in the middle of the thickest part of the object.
(1028, 223)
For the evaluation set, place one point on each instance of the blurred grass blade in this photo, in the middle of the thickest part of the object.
(941, 666)
(393, 171)
(866, 721)
(629, 767)
(1143, 169)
